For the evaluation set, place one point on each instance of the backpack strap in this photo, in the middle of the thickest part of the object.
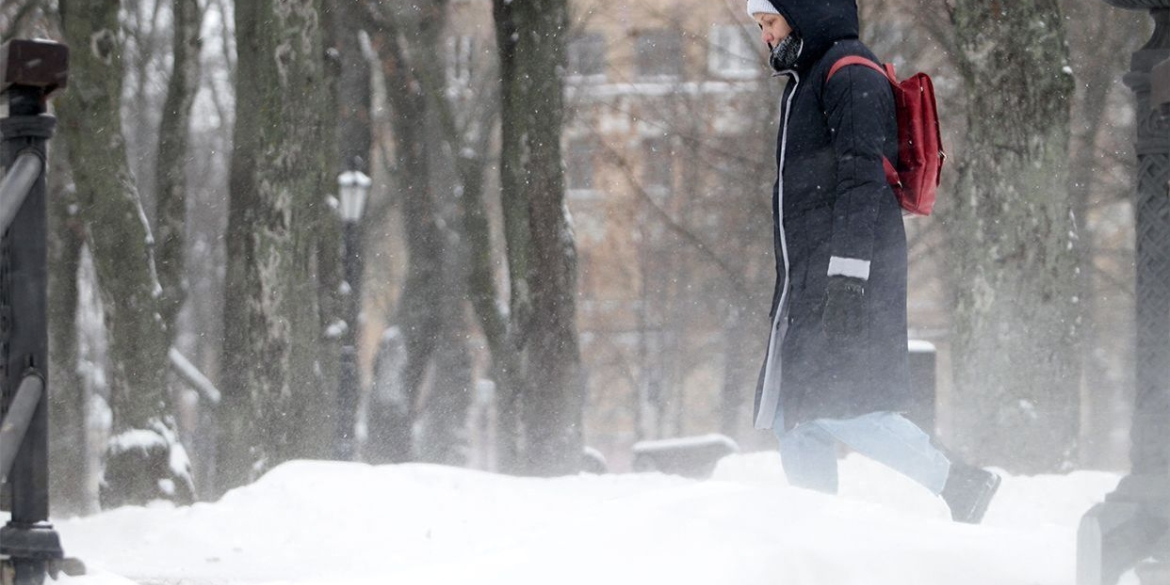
(891, 172)
(848, 60)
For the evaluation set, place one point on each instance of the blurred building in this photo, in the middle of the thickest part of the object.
(668, 151)
(668, 148)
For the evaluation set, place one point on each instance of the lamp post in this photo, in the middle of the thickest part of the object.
(1132, 524)
(354, 188)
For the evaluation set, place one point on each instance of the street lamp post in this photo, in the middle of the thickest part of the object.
(1132, 524)
(354, 188)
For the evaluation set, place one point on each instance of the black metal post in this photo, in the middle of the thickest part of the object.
(17, 184)
(1160, 88)
(30, 71)
(18, 420)
(1150, 451)
(1131, 525)
(347, 390)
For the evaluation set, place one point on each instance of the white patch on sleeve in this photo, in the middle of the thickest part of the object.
(851, 267)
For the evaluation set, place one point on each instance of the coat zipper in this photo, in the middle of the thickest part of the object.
(769, 401)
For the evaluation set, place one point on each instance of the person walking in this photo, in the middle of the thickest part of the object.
(836, 368)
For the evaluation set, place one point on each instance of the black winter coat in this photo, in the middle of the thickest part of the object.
(834, 213)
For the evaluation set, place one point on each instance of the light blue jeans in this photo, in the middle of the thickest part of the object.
(809, 451)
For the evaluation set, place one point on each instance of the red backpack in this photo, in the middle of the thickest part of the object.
(916, 177)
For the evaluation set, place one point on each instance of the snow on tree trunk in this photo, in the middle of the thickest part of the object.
(541, 249)
(69, 463)
(275, 182)
(144, 460)
(1012, 239)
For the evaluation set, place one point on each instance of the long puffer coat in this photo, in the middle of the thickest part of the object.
(834, 214)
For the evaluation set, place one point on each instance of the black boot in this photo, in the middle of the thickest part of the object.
(968, 491)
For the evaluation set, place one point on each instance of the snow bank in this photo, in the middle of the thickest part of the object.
(337, 523)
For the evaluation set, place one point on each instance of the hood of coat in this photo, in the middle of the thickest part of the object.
(820, 23)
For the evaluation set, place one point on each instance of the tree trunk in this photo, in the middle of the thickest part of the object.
(470, 269)
(1016, 318)
(68, 400)
(275, 177)
(542, 253)
(418, 317)
(355, 136)
(144, 42)
(507, 369)
(444, 415)
(124, 260)
(171, 166)
(444, 438)
(315, 356)
(517, 236)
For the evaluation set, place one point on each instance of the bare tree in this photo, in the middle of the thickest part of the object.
(406, 31)
(276, 181)
(171, 167)
(121, 242)
(542, 258)
(1012, 239)
(315, 352)
(420, 411)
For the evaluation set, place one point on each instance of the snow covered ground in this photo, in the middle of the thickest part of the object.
(310, 522)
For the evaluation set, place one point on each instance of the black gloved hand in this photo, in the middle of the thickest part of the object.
(844, 314)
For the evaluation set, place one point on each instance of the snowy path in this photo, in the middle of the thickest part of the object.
(332, 523)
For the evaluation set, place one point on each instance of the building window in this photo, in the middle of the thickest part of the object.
(730, 52)
(587, 55)
(657, 166)
(579, 165)
(460, 56)
(659, 54)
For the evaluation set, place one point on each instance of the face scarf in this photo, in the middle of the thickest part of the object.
(786, 52)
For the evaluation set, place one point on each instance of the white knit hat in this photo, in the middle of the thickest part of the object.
(758, 6)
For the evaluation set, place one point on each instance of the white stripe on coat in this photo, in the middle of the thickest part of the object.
(770, 392)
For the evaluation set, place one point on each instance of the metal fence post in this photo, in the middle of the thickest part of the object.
(29, 72)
